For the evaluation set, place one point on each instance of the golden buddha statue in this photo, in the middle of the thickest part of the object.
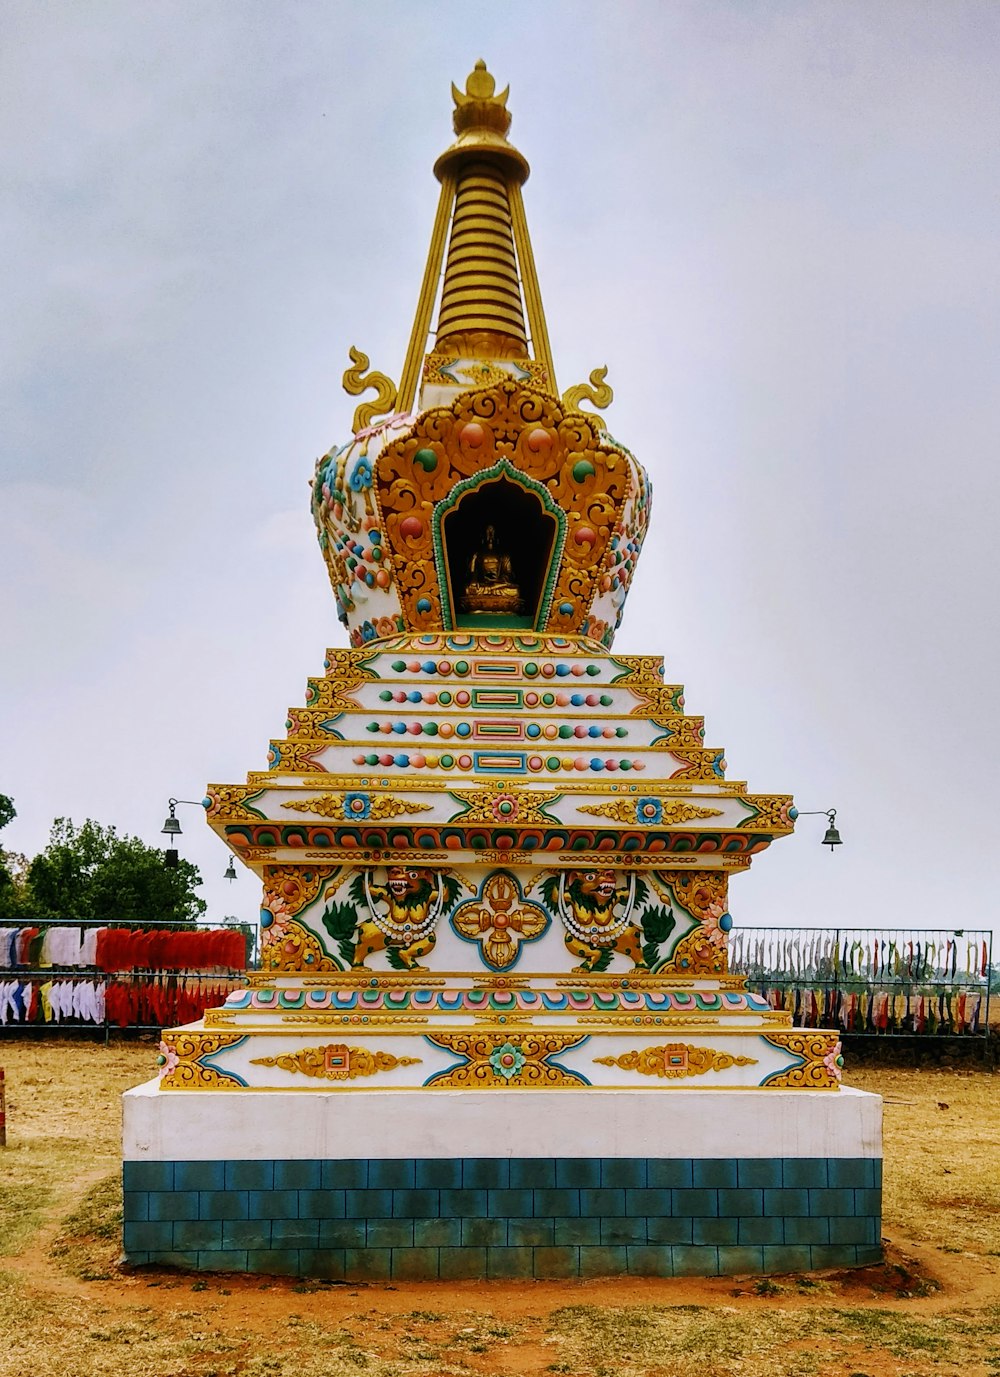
(490, 586)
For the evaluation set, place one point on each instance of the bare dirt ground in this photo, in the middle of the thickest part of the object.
(67, 1308)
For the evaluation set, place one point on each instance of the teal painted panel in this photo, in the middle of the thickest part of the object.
(415, 1264)
(172, 1205)
(626, 1229)
(223, 1205)
(522, 1218)
(557, 1261)
(722, 1229)
(148, 1176)
(437, 1233)
(197, 1234)
(510, 1263)
(249, 1176)
(461, 1264)
(199, 1176)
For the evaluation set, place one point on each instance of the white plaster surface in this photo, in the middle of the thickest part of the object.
(347, 1124)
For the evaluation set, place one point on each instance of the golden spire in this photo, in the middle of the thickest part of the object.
(491, 306)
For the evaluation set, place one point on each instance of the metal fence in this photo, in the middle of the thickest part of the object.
(872, 981)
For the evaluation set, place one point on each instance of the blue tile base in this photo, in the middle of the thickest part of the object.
(429, 1219)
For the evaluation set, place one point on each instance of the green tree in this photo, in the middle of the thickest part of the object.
(92, 872)
(14, 901)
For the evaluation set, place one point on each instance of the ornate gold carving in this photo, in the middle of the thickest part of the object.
(378, 806)
(293, 948)
(697, 762)
(672, 813)
(499, 920)
(643, 672)
(612, 1021)
(350, 1020)
(502, 800)
(296, 757)
(451, 369)
(289, 888)
(356, 381)
(820, 1067)
(771, 814)
(696, 955)
(675, 1060)
(506, 1061)
(580, 471)
(181, 1066)
(597, 392)
(684, 731)
(228, 803)
(657, 700)
(700, 894)
(336, 1062)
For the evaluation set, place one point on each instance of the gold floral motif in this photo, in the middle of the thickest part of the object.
(182, 1055)
(675, 1060)
(446, 368)
(486, 1068)
(818, 1049)
(695, 955)
(294, 948)
(335, 693)
(290, 888)
(295, 757)
(501, 800)
(229, 803)
(379, 806)
(771, 813)
(683, 731)
(643, 672)
(657, 700)
(696, 762)
(673, 812)
(336, 1062)
(700, 893)
(356, 381)
(499, 920)
(307, 723)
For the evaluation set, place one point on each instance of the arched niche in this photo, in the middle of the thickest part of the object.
(498, 533)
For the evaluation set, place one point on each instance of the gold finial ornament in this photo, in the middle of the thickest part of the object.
(477, 105)
(490, 302)
(597, 392)
(356, 381)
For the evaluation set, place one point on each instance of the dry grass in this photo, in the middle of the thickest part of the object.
(66, 1310)
(942, 1183)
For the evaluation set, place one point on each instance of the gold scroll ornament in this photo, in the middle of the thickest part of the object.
(379, 806)
(336, 1062)
(673, 812)
(356, 381)
(675, 1060)
(181, 1066)
(496, 1061)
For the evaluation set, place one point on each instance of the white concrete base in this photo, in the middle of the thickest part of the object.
(259, 1125)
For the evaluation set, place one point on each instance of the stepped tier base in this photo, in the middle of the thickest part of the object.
(385, 1185)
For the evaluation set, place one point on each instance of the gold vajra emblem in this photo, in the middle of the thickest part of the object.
(675, 1060)
(499, 920)
(336, 1062)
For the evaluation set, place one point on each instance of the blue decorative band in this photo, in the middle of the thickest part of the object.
(498, 1217)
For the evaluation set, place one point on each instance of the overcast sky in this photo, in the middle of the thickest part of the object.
(776, 223)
